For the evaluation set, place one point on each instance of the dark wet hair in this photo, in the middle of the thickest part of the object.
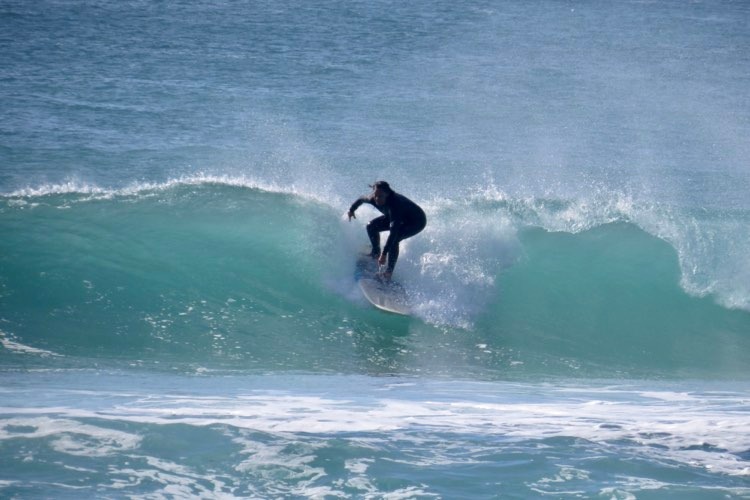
(382, 185)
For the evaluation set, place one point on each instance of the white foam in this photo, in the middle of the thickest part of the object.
(94, 191)
(22, 348)
(708, 430)
(175, 481)
(69, 436)
(452, 266)
(674, 422)
(66, 187)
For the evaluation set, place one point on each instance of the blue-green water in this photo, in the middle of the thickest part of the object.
(178, 312)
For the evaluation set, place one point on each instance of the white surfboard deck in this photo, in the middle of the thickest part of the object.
(389, 297)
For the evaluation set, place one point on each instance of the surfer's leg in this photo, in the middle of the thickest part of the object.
(374, 227)
(401, 234)
(392, 258)
(409, 231)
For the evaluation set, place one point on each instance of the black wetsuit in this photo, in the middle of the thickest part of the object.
(401, 216)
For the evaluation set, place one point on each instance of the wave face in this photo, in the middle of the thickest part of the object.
(216, 274)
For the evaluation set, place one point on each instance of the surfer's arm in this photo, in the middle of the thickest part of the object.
(356, 205)
(393, 235)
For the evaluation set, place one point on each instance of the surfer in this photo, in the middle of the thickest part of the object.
(401, 216)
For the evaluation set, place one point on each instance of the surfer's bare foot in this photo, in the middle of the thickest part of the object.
(386, 276)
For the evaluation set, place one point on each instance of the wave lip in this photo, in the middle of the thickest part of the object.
(711, 244)
(94, 191)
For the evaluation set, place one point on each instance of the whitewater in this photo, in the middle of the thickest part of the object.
(179, 315)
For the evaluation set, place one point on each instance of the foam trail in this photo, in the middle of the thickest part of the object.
(692, 428)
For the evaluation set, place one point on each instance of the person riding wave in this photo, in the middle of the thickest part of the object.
(401, 216)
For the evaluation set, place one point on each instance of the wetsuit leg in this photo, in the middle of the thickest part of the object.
(374, 228)
(402, 233)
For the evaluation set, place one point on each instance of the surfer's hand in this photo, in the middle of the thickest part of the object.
(351, 215)
(381, 259)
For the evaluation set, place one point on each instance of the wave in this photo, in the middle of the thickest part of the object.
(84, 191)
(213, 272)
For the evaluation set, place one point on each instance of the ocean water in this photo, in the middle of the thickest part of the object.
(178, 311)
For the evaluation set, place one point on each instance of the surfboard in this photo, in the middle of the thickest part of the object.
(387, 296)
(366, 267)
(390, 297)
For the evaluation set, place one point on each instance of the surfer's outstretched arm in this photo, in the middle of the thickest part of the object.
(356, 205)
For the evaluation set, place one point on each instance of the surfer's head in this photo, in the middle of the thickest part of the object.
(381, 190)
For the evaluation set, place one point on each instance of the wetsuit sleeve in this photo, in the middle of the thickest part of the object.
(362, 199)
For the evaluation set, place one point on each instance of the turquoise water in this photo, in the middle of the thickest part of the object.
(178, 311)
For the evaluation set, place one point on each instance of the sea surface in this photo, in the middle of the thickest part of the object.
(179, 316)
